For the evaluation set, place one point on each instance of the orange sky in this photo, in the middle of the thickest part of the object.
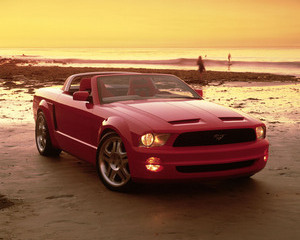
(145, 23)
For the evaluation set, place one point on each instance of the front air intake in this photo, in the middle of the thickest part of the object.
(230, 119)
(215, 167)
(187, 121)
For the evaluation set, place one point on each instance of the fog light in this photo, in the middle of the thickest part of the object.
(153, 164)
(266, 155)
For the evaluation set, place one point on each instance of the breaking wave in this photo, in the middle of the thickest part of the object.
(186, 62)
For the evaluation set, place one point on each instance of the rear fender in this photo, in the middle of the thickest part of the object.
(48, 109)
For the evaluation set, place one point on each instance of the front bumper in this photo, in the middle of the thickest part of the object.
(219, 161)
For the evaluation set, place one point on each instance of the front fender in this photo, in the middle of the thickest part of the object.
(127, 134)
(118, 125)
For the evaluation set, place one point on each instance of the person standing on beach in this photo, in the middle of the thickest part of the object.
(229, 58)
(201, 68)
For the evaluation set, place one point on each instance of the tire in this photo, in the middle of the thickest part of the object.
(42, 137)
(112, 163)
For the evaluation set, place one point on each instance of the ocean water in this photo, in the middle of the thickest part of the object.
(269, 60)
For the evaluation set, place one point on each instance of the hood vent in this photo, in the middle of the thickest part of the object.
(186, 121)
(230, 119)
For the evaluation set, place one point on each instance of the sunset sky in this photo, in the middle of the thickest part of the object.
(145, 23)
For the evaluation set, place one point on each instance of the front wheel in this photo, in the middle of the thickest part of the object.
(42, 137)
(112, 163)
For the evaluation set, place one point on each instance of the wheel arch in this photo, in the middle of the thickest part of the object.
(117, 125)
(121, 127)
(48, 110)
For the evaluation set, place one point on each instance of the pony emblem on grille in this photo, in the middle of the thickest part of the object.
(219, 137)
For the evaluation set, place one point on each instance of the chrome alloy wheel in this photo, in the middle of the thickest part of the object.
(41, 133)
(113, 162)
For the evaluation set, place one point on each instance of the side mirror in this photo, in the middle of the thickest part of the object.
(81, 96)
(199, 91)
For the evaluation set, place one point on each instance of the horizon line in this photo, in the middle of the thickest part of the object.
(275, 46)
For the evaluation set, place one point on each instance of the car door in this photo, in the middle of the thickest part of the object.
(76, 126)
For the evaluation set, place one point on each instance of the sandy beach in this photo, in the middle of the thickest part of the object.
(62, 198)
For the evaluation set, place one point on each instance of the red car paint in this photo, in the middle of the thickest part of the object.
(76, 126)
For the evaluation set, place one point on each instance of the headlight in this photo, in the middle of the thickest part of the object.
(154, 140)
(147, 139)
(260, 132)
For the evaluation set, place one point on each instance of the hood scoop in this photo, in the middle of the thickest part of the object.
(186, 121)
(231, 119)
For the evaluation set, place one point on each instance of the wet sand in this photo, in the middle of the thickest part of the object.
(11, 69)
(62, 198)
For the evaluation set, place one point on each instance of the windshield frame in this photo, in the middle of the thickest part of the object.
(177, 80)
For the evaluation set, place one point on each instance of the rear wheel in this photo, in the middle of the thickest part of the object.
(42, 137)
(112, 163)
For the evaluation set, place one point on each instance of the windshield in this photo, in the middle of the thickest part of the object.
(142, 86)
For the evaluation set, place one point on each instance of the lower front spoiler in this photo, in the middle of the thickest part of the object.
(173, 175)
(241, 160)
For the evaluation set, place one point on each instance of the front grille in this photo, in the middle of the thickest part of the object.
(215, 167)
(215, 137)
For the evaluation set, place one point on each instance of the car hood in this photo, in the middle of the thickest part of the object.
(184, 113)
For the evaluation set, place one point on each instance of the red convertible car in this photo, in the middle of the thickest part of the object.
(146, 127)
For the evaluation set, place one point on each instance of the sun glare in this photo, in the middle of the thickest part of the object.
(133, 23)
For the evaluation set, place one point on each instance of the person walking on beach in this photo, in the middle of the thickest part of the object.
(201, 68)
